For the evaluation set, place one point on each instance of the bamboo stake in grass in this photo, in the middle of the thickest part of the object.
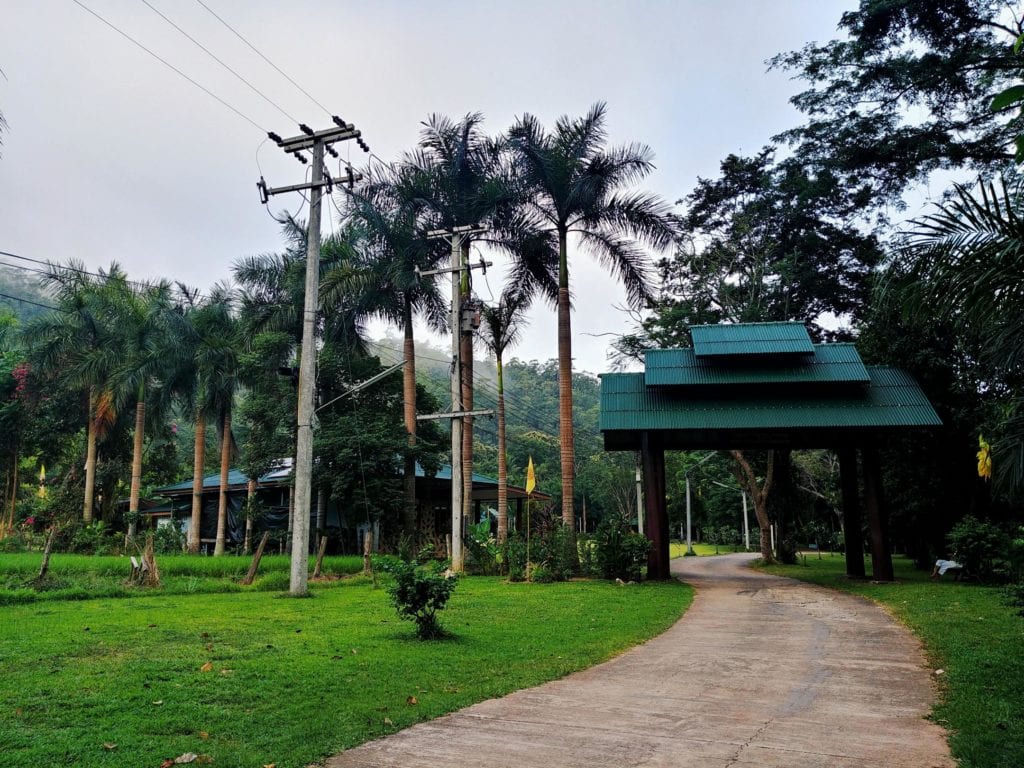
(255, 564)
(320, 557)
(45, 566)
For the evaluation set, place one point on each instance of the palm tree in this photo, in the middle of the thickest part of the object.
(78, 347)
(456, 177)
(501, 329)
(963, 264)
(396, 249)
(140, 316)
(576, 185)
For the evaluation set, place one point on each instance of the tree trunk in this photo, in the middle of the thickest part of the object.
(133, 495)
(250, 498)
(90, 460)
(759, 494)
(198, 459)
(567, 452)
(321, 515)
(409, 412)
(222, 505)
(502, 458)
(466, 357)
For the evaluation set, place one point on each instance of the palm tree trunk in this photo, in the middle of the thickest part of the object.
(567, 452)
(198, 459)
(90, 460)
(250, 498)
(222, 505)
(466, 358)
(502, 458)
(321, 515)
(133, 495)
(409, 409)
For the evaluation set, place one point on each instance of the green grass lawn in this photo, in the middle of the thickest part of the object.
(678, 549)
(289, 681)
(971, 634)
(79, 577)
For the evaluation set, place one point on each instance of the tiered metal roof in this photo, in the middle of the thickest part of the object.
(757, 385)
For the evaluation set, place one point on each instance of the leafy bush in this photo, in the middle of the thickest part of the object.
(587, 556)
(541, 574)
(483, 555)
(619, 551)
(168, 540)
(513, 552)
(983, 548)
(93, 539)
(419, 592)
(554, 548)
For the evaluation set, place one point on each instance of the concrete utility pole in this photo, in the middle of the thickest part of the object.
(454, 236)
(318, 142)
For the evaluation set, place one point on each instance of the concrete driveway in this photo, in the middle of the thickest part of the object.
(761, 671)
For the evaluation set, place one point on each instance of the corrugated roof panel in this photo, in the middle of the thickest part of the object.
(740, 339)
(893, 399)
(830, 364)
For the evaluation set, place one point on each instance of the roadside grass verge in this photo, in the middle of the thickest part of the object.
(971, 634)
(678, 549)
(85, 577)
(289, 681)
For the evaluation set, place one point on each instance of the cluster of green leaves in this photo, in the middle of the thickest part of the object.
(420, 590)
(620, 552)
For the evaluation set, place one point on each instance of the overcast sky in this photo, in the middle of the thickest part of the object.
(111, 156)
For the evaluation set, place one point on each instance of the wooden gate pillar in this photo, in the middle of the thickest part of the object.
(854, 542)
(881, 557)
(656, 522)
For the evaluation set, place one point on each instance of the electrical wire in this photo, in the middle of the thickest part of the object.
(213, 56)
(259, 53)
(170, 66)
(29, 301)
(78, 270)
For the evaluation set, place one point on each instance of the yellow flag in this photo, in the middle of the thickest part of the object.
(984, 459)
(531, 478)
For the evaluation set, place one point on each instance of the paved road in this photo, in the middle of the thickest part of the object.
(761, 671)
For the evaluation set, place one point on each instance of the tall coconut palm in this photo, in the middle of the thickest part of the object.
(502, 325)
(396, 250)
(579, 187)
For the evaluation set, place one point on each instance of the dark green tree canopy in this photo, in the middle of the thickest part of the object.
(907, 92)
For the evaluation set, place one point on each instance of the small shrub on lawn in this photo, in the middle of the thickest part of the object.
(984, 548)
(541, 574)
(168, 540)
(513, 552)
(483, 555)
(419, 592)
(555, 549)
(620, 553)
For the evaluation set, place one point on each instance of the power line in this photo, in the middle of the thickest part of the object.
(170, 66)
(213, 56)
(79, 270)
(259, 53)
(29, 301)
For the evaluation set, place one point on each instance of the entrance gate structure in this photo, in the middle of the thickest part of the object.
(764, 386)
